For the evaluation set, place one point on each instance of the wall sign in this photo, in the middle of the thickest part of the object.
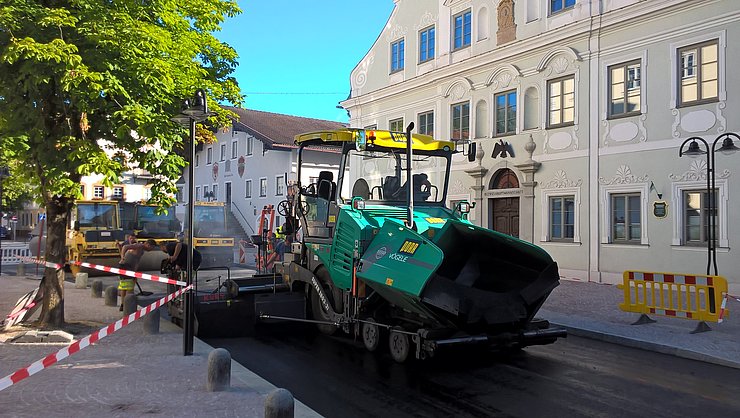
(660, 209)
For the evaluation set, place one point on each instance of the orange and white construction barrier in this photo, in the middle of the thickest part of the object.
(65, 352)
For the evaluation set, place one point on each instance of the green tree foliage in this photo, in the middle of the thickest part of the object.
(80, 76)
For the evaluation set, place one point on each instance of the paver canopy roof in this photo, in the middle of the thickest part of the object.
(278, 130)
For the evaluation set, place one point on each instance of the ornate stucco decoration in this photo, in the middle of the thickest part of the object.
(427, 19)
(561, 181)
(396, 32)
(503, 76)
(694, 121)
(359, 78)
(624, 176)
(459, 88)
(506, 26)
(458, 187)
(698, 171)
(558, 60)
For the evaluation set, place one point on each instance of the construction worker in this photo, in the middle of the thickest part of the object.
(130, 257)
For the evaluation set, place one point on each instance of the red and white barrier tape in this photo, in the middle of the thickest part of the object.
(722, 309)
(41, 262)
(114, 270)
(65, 352)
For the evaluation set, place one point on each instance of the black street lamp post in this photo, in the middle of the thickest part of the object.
(192, 113)
(694, 150)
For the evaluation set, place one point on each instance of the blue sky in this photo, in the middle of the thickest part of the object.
(300, 46)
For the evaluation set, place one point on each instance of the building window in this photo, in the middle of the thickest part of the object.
(215, 192)
(98, 192)
(197, 160)
(223, 152)
(397, 52)
(263, 187)
(179, 196)
(560, 5)
(562, 218)
(197, 193)
(250, 145)
(396, 125)
(460, 121)
(82, 190)
(371, 127)
(625, 216)
(561, 103)
(624, 89)
(234, 149)
(206, 193)
(696, 209)
(279, 185)
(426, 123)
(698, 74)
(426, 44)
(505, 113)
(118, 192)
(248, 189)
(209, 156)
(461, 32)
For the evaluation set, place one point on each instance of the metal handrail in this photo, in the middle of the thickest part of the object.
(246, 222)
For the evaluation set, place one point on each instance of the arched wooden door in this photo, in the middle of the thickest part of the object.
(503, 212)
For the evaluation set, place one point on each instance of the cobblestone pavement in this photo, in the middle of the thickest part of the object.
(125, 374)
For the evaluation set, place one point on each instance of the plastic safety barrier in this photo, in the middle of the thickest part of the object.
(697, 297)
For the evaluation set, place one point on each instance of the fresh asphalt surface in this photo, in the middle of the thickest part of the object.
(337, 377)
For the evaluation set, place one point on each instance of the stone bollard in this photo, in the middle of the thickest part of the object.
(219, 370)
(81, 281)
(97, 289)
(279, 404)
(130, 303)
(151, 322)
(111, 296)
(20, 270)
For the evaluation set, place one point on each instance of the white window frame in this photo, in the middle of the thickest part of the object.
(197, 160)
(250, 145)
(401, 60)
(115, 194)
(434, 44)
(677, 191)
(279, 185)
(545, 213)
(98, 192)
(263, 188)
(506, 94)
(562, 9)
(197, 193)
(234, 149)
(548, 123)
(205, 192)
(215, 192)
(209, 156)
(223, 152)
(721, 38)
(606, 192)
(248, 189)
(609, 81)
(395, 121)
(463, 45)
(425, 125)
(470, 107)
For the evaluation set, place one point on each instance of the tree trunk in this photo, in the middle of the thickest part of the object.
(52, 285)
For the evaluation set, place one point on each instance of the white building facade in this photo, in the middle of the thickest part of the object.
(251, 163)
(578, 108)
